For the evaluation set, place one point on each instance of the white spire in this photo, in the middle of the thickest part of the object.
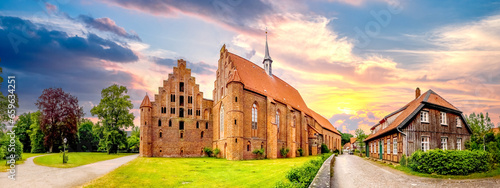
(267, 59)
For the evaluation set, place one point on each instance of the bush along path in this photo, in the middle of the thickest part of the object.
(303, 176)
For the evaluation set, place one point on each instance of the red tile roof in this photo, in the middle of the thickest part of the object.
(254, 78)
(146, 102)
(353, 139)
(410, 109)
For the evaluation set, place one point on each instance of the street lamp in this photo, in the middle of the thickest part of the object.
(64, 148)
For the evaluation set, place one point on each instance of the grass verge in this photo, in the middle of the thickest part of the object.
(492, 173)
(198, 172)
(4, 166)
(75, 159)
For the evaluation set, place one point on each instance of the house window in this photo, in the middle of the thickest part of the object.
(169, 123)
(181, 112)
(425, 143)
(181, 100)
(172, 110)
(159, 122)
(389, 146)
(197, 125)
(376, 147)
(181, 86)
(444, 143)
(254, 116)
(278, 119)
(172, 98)
(206, 125)
(443, 119)
(395, 146)
(459, 143)
(181, 125)
(459, 122)
(221, 121)
(424, 117)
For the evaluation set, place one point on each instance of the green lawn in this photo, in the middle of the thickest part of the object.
(75, 159)
(198, 172)
(4, 167)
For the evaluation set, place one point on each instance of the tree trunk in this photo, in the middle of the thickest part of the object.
(50, 148)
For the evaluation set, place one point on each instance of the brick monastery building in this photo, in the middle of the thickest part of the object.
(252, 109)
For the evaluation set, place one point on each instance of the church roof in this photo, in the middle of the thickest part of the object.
(411, 109)
(146, 102)
(254, 78)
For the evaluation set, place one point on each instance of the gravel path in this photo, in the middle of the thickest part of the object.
(31, 175)
(353, 171)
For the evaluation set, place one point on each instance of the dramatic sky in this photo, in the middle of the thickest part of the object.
(353, 61)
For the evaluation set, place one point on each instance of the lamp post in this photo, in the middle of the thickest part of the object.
(64, 149)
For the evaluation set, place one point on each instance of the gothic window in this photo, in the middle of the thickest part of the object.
(181, 86)
(278, 119)
(181, 112)
(172, 110)
(201, 134)
(190, 99)
(197, 125)
(254, 116)
(262, 145)
(170, 123)
(190, 111)
(221, 121)
(160, 134)
(181, 125)
(159, 122)
(206, 125)
(181, 100)
(248, 146)
(172, 98)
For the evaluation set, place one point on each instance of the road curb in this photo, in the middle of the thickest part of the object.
(322, 178)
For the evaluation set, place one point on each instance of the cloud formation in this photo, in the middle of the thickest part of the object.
(108, 25)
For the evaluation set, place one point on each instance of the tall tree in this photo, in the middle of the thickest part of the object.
(346, 137)
(480, 125)
(360, 136)
(114, 113)
(22, 130)
(36, 135)
(59, 118)
(5, 102)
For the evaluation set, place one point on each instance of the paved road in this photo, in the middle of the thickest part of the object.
(31, 175)
(353, 171)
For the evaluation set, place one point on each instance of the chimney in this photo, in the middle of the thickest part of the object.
(417, 93)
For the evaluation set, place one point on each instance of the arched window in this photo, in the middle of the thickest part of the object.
(278, 119)
(248, 146)
(254, 116)
(170, 123)
(159, 122)
(197, 125)
(201, 134)
(160, 134)
(221, 121)
(206, 125)
(262, 145)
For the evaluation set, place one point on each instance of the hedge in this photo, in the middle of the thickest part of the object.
(450, 162)
(303, 176)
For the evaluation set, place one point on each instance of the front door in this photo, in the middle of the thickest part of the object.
(380, 149)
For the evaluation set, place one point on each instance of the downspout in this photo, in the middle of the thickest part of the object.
(397, 128)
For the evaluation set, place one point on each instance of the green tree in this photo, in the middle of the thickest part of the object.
(86, 135)
(5, 101)
(360, 135)
(133, 143)
(346, 137)
(114, 113)
(22, 128)
(36, 135)
(480, 125)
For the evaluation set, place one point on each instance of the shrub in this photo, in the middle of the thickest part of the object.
(284, 152)
(450, 162)
(336, 151)
(303, 176)
(403, 160)
(259, 153)
(17, 151)
(301, 152)
(208, 151)
(324, 148)
(216, 152)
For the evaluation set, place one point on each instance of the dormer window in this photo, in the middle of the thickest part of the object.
(443, 119)
(424, 117)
